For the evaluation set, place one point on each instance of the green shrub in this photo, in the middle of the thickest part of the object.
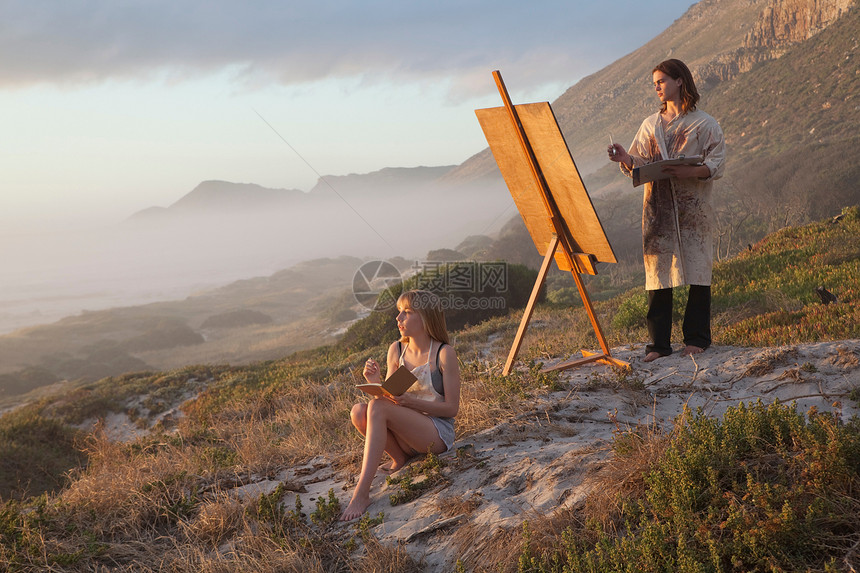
(166, 333)
(564, 296)
(327, 509)
(631, 312)
(766, 489)
(24, 380)
(36, 454)
(470, 293)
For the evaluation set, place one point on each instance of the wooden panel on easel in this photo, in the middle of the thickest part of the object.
(565, 183)
(514, 165)
(559, 172)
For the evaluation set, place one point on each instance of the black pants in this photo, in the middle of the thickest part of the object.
(697, 319)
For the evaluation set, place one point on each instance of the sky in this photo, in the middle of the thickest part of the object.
(109, 107)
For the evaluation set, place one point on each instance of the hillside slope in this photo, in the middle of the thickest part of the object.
(203, 466)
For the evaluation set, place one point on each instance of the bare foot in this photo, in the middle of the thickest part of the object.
(356, 508)
(689, 350)
(393, 466)
(652, 356)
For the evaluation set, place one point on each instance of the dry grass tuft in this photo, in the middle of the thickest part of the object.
(622, 476)
(768, 361)
(460, 504)
(844, 358)
(215, 522)
(250, 551)
(128, 492)
(480, 552)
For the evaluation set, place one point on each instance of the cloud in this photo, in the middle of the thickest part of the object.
(294, 42)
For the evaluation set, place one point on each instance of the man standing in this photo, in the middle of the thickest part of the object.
(677, 218)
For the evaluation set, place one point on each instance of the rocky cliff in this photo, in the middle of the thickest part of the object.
(785, 22)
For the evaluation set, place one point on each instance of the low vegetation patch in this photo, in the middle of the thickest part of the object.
(35, 454)
(766, 296)
(765, 489)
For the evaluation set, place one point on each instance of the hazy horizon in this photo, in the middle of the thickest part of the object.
(111, 109)
(48, 276)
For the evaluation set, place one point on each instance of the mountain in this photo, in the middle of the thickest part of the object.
(224, 231)
(220, 223)
(228, 198)
(217, 195)
(221, 197)
(380, 184)
(725, 43)
(780, 76)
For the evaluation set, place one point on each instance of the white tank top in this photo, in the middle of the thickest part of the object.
(423, 388)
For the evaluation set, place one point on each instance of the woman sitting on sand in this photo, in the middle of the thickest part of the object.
(420, 420)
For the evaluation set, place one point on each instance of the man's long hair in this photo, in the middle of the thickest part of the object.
(676, 69)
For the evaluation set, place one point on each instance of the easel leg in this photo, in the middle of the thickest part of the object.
(605, 357)
(589, 357)
(589, 308)
(527, 313)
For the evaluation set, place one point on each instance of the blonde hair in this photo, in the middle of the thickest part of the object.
(429, 308)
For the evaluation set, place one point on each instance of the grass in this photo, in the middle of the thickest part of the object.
(766, 295)
(75, 501)
(765, 489)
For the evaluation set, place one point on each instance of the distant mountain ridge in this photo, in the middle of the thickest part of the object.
(382, 181)
(212, 197)
(225, 197)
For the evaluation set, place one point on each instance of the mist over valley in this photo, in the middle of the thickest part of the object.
(222, 232)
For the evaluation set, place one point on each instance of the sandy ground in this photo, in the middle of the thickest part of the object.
(541, 461)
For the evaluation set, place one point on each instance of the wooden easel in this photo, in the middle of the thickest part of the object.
(546, 186)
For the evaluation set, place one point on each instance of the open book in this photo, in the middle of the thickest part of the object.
(395, 385)
(654, 171)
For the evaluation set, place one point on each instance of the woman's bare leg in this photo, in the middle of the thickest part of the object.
(409, 428)
(399, 457)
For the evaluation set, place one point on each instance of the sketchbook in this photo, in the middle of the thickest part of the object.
(654, 171)
(395, 385)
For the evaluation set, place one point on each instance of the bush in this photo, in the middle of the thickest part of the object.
(468, 306)
(167, 333)
(564, 296)
(766, 489)
(469, 297)
(24, 380)
(631, 311)
(36, 454)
